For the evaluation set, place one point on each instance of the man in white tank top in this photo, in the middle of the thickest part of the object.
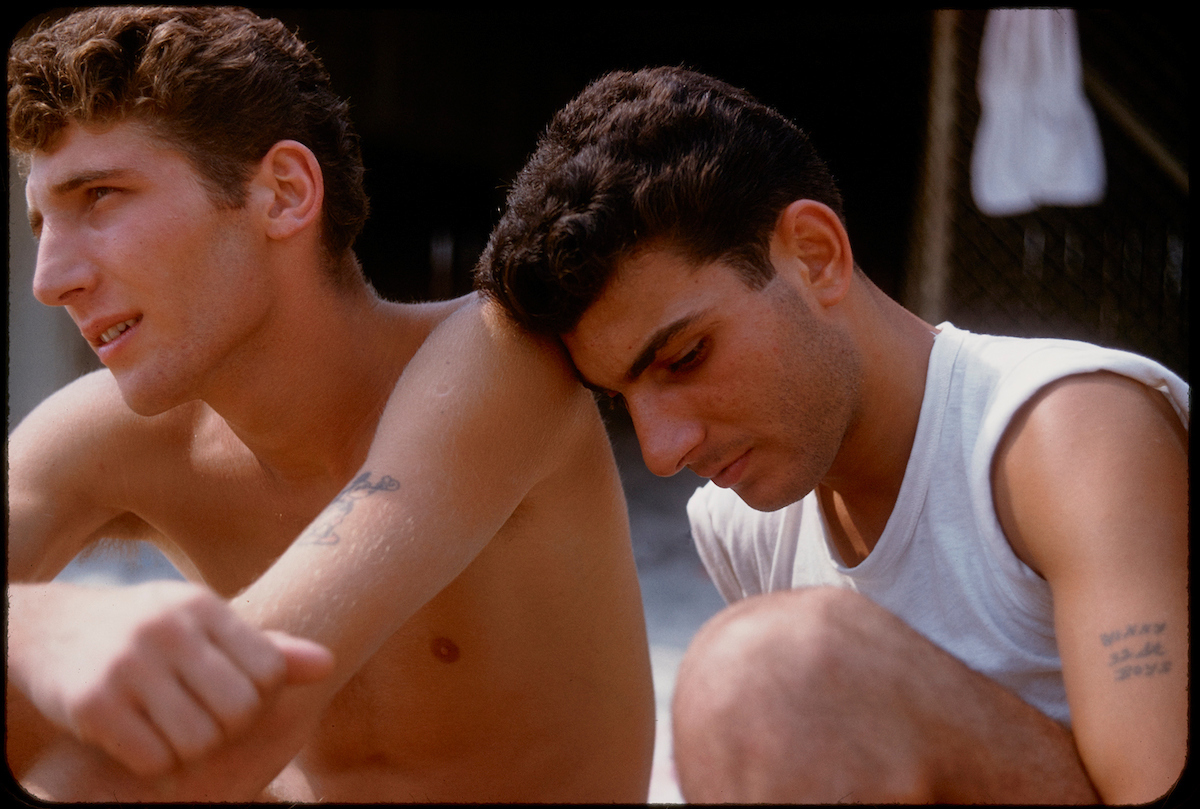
(958, 564)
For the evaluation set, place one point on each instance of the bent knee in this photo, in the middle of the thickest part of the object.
(768, 656)
(779, 679)
(806, 625)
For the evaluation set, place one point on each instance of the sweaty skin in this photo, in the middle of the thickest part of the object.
(420, 489)
(525, 678)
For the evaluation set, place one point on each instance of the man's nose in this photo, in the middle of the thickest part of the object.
(665, 431)
(62, 272)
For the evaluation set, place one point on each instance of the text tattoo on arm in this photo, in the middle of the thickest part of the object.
(324, 530)
(1136, 651)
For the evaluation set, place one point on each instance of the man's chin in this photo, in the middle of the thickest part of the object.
(762, 498)
(143, 401)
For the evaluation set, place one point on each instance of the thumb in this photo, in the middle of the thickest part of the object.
(307, 661)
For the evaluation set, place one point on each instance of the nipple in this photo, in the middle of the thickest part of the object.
(444, 649)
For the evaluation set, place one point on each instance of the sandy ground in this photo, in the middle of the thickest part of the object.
(676, 592)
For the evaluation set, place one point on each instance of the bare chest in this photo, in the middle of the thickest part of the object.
(496, 673)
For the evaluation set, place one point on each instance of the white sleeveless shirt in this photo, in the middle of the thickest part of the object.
(942, 564)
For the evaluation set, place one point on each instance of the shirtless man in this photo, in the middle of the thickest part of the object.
(461, 623)
(959, 562)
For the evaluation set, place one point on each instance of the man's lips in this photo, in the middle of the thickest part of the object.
(731, 474)
(103, 334)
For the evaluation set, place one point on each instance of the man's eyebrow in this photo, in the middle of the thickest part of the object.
(655, 344)
(83, 178)
(73, 182)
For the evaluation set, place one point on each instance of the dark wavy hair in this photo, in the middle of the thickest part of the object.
(663, 155)
(221, 84)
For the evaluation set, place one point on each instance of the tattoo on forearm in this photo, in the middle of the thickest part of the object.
(1136, 651)
(324, 530)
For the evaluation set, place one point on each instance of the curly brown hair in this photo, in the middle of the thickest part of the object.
(661, 154)
(221, 84)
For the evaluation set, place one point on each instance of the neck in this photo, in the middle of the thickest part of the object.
(305, 398)
(860, 490)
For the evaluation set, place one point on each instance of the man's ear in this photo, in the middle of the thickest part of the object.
(291, 188)
(813, 239)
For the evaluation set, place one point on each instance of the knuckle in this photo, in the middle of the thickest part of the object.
(202, 736)
(243, 703)
(126, 669)
(168, 631)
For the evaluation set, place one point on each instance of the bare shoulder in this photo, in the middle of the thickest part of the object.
(74, 464)
(477, 343)
(484, 401)
(473, 331)
(88, 416)
(1087, 447)
(430, 314)
(1095, 400)
(1091, 488)
(1086, 414)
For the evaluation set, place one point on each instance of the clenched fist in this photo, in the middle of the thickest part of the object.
(154, 675)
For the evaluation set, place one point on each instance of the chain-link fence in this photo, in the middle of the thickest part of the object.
(1115, 273)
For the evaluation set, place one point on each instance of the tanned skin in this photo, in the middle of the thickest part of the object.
(815, 382)
(402, 527)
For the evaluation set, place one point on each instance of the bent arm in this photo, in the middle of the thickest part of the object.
(1091, 488)
(56, 457)
(481, 414)
(151, 675)
(54, 512)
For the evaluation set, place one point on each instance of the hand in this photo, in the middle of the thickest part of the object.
(155, 674)
(252, 768)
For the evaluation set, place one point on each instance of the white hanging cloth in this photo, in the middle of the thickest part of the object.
(1038, 142)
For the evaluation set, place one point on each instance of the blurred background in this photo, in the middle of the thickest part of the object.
(449, 105)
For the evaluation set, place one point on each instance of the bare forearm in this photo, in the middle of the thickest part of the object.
(160, 680)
